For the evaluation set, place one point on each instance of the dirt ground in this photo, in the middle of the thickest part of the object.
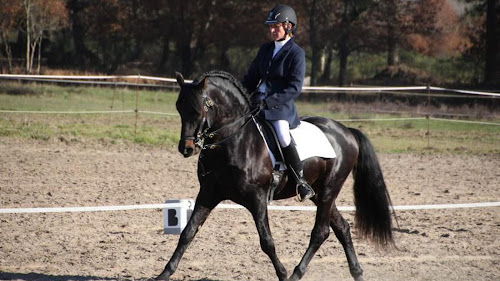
(454, 244)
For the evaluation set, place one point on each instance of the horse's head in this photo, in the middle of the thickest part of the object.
(209, 102)
(190, 107)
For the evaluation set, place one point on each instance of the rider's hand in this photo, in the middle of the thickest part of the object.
(260, 104)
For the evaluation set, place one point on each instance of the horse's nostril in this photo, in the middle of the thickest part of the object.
(188, 152)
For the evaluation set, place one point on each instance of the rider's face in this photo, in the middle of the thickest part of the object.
(276, 31)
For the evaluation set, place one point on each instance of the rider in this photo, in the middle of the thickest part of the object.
(275, 77)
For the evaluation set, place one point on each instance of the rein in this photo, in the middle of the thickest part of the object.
(210, 135)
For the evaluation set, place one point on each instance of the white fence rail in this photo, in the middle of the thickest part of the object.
(326, 89)
(232, 206)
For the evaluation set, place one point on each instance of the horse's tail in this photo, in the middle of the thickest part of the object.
(373, 213)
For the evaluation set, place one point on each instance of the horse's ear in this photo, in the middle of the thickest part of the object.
(180, 78)
(203, 83)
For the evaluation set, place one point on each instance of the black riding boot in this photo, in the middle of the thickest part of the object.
(293, 163)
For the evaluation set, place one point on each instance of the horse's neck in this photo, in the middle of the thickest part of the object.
(232, 107)
(232, 114)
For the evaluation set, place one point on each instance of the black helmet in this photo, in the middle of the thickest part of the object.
(282, 13)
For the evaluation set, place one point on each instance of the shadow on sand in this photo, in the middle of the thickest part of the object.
(47, 277)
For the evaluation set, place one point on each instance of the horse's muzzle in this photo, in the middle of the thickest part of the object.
(188, 148)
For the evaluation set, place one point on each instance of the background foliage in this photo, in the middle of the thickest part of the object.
(447, 41)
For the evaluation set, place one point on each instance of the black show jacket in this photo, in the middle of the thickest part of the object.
(283, 75)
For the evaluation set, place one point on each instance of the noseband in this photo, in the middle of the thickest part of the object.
(201, 130)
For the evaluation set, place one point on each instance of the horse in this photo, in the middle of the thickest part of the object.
(234, 164)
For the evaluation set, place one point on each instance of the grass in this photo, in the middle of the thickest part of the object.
(402, 136)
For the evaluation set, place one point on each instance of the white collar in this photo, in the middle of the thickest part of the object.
(279, 44)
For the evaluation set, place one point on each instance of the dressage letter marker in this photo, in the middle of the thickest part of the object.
(176, 218)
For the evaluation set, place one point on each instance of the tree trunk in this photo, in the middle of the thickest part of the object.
(327, 73)
(82, 55)
(316, 49)
(39, 55)
(343, 54)
(184, 53)
(392, 36)
(8, 51)
(164, 55)
(392, 53)
(315, 63)
(27, 8)
(492, 66)
(224, 61)
(31, 56)
(392, 47)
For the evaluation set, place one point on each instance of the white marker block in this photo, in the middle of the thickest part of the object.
(175, 218)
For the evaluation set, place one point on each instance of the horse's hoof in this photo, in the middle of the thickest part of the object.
(359, 278)
(162, 278)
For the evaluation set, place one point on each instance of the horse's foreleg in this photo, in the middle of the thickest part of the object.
(342, 230)
(319, 234)
(200, 214)
(266, 240)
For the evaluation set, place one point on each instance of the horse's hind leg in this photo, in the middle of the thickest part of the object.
(260, 216)
(200, 214)
(342, 230)
(319, 234)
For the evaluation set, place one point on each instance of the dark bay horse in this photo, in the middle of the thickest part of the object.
(234, 164)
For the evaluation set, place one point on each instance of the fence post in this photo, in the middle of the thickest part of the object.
(428, 114)
(136, 104)
(112, 103)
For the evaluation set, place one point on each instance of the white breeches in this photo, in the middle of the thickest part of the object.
(282, 128)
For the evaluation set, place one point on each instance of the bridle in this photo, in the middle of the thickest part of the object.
(203, 130)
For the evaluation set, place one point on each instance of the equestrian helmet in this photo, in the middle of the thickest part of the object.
(282, 13)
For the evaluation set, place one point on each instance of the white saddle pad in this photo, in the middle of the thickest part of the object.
(311, 142)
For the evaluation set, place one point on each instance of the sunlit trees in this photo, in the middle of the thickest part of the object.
(411, 24)
(41, 16)
(164, 36)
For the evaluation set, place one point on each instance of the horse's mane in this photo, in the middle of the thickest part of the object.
(227, 76)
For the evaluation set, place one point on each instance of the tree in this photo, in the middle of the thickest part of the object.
(238, 27)
(106, 33)
(10, 14)
(82, 56)
(492, 65)
(41, 16)
(398, 22)
(160, 25)
(202, 33)
(352, 32)
(335, 25)
(482, 21)
(319, 17)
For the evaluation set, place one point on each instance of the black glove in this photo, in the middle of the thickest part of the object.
(260, 104)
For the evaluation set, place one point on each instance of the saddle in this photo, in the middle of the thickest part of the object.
(310, 141)
(271, 139)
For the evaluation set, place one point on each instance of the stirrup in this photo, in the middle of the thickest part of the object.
(310, 191)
